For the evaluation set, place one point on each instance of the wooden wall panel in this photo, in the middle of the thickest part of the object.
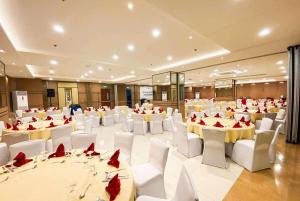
(121, 94)
(4, 113)
(207, 92)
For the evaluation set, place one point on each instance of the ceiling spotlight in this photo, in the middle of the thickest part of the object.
(50, 78)
(53, 62)
(190, 37)
(155, 33)
(130, 47)
(112, 76)
(82, 76)
(13, 63)
(2, 51)
(264, 32)
(78, 80)
(58, 28)
(90, 72)
(99, 81)
(100, 68)
(115, 57)
(282, 67)
(284, 71)
(279, 62)
(216, 70)
(132, 72)
(245, 71)
(169, 58)
(51, 71)
(286, 77)
(130, 6)
(85, 74)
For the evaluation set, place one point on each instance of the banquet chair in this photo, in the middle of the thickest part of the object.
(13, 138)
(272, 149)
(66, 111)
(214, 147)
(19, 113)
(78, 111)
(25, 120)
(50, 112)
(168, 121)
(28, 114)
(149, 177)
(280, 120)
(156, 124)
(156, 109)
(271, 115)
(264, 124)
(108, 118)
(128, 125)
(176, 110)
(30, 148)
(88, 127)
(95, 120)
(177, 117)
(80, 121)
(82, 141)
(184, 191)
(253, 154)
(60, 135)
(189, 144)
(124, 142)
(57, 116)
(4, 154)
(238, 115)
(116, 116)
(123, 116)
(169, 111)
(139, 125)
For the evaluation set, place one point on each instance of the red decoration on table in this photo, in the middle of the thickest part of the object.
(143, 112)
(88, 109)
(15, 127)
(153, 112)
(218, 124)
(113, 188)
(114, 159)
(29, 110)
(51, 125)
(237, 125)
(103, 109)
(49, 118)
(245, 110)
(265, 110)
(205, 115)
(242, 119)
(60, 151)
(34, 119)
(258, 111)
(228, 108)
(194, 116)
(161, 110)
(64, 117)
(244, 101)
(30, 127)
(217, 115)
(193, 119)
(90, 151)
(18, 122)
(232, 110)
(8, 126)
(66, 121)
(21, 159)
(247, 123)
(201, 122)
(70, 118)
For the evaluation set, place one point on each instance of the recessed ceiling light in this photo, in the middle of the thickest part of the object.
(58, 28)
(286, 77)
(100, 68)
(13, 63)
(85, 74)
(216, 70)
(82, 76)
(130, 47)
(170, 58)
(78, 80)
(155, 33)
(245, 71)
(53, 62)
(130, 6)
(284, 71)
(282, 67)
(190, 37)
(264, 32)
(99, 81)
(2, 51)
(51, 71)
(115, 57)
(279, 62)
(50, 78)
(112, 76)
(90, 72)
(132, 72)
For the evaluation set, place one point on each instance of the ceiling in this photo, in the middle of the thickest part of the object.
(195, 33)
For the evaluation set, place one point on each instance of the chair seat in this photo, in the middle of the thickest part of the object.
(79, 132)
(148, 198)
(144, 173)
(247, 143)
(192, 136)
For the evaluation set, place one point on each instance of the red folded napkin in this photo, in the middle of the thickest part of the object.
(88, 109)
(103, 109)
(34, 119)
(161, 110)
(201, 122)
(153, 112)
(66, 121)
(244, 101)
(70, 118)
(245, 110)
(90, 151)
(237, 125)
(96, 109)
(205, 115)
(217, 115)
(113, 187)
(228, 108)
(18, 122)
(28, 110)
(21, 159)
(247, 123)
(49, 118)
(258, 111)
(15, 127)
(114, 159)
(193, 119)
(35, 111)
(218, 124)
(60, 151)
(51, 125)
(242, 119)
(8, 126)
(265, 110)
(30, 127)
(143, 112)
(64, 117)
(194, 116)
(232, 110)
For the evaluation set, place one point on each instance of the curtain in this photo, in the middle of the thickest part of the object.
(293, 118)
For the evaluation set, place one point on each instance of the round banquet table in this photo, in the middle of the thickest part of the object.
(41, 114)
(148, 116)
(100, 113)
(53, 180)
(253, 115)
(232, 134)
(41, 132)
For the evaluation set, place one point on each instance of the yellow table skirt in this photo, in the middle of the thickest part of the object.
(148, 116)
(253, 115)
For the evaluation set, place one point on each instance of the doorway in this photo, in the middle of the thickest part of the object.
(129, 97)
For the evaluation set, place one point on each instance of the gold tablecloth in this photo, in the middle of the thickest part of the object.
(232, 134)
(41, 131)
(253, 115)
(55, 181)
(148, 116)
(273, 109)
(43, 114)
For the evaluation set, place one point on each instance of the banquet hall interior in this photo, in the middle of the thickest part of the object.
(149, 100)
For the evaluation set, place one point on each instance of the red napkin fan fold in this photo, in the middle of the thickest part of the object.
(201, 122)
(114, 159)
(90, 151)
(247, 123)
(242, 119)
(237, 125)
(34, 119)
(60, 151)
(205, 115)
(49, 118)
(113, 187)
(218, 124)
(21, 159)
(15, 127)
(217, 115)
(66, 121)
(8, 126)
(30, 127)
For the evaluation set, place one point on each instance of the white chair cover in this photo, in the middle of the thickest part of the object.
(139, 125)
(4, 154)
(30, 148)
(272, 149)
(60, 135)
(83, 141)
(13, 138)
(124, 142)
(156, 124)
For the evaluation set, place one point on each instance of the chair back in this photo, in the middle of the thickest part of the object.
(2, 125)
(50, 112)
(266, 124)
(108, 112)
(275, 138)
(176, 110)
(13, 138)
(57, 116)
(169, 111)
(158, 154)
(88, 126)
(29, 148)
(271, 115)
(157, 117)
(79, 117)
(181, 131)
(19, 113)
(177, 117)
(124, 142)
(185, 189)
(61, 135)
(281, 114)
(25, 120)
(137, 117)
(28, 114)
(263, 140)
(213, 135)
(238, 115)
(82, 141)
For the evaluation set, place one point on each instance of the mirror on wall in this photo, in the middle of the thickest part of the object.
(3, 90)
